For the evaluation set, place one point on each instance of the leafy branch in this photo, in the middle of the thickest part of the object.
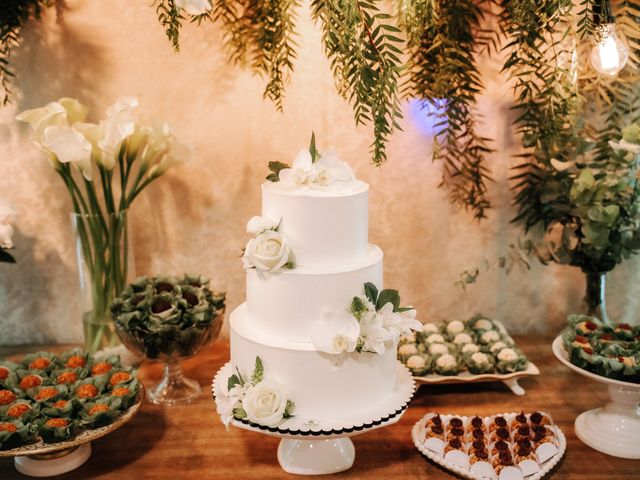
(363, 47)
(443, 38)
(171, 19)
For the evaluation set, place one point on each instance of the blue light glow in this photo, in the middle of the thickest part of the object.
(427, 115)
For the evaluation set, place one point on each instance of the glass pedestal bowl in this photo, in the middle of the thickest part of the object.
(170, 348)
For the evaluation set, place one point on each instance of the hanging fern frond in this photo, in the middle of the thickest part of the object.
(14, 14)
(363, 47)
(444, 36)
(171, 19)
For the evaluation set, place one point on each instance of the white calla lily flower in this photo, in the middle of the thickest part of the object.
(39, 119)
(76, 111)
(69, 146)
(194, 7)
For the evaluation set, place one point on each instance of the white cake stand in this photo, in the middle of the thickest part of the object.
(319, 447)
(615, 428)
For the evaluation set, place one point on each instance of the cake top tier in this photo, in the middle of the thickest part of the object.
(314, 173)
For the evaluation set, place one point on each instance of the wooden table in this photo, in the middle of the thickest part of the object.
(189, 442)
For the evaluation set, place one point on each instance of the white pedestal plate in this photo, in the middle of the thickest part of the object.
(615, 428)
(323, 446)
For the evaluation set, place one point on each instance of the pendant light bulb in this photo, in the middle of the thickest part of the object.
(610, 54)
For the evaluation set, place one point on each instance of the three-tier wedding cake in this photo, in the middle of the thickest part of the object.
(317, 335)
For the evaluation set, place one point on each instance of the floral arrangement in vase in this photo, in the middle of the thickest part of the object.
(256, 399)
(104, 166)
(371, 323)
(7, 216)
(167, 319)
(590, 207)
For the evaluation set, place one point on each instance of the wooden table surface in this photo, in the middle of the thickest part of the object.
(189, 442)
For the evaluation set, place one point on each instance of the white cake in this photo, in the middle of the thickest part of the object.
(326, 228)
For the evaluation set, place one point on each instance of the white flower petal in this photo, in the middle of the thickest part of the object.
(69, 146)
(335, 333)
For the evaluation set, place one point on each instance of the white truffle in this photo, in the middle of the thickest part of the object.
(490, 336)
(455, 327)
(496, 347)
(430, 328)
(407, 349)
(483, 324)
(470, 348)
(462, 338)
(480, 358)
(507, 355)
(435, 338)
(416, 362)
(438, 349)
(446, 362)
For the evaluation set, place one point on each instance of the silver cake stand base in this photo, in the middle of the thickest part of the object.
(320, 447)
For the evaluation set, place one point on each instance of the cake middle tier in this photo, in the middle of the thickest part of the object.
(284, 305)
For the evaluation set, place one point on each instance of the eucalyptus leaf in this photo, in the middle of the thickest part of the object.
(388, 296)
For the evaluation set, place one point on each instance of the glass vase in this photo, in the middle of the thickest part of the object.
(105, 267)
(595, 296)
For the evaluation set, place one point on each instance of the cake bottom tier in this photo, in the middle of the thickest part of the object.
(323, 386)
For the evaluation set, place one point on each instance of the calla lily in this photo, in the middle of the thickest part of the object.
(69, 146)
(76, 112)
(119, 124)
(40, 118)
(194, 7)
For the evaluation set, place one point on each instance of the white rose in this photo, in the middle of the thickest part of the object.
(446, 361)
(483, 324)
(462, 338)
(407, 350)
(268, 251)
(470, 348)
(496, 347)
(430, 328)
(438, 349)
(490, 336)
(416, 362)
(265, 403)
(194, 7)
(435, 338)
(335, 333)
(480, 358)
(507, 355)
(455, 327)
(257, 225)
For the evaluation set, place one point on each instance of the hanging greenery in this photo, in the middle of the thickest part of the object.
(14, 14)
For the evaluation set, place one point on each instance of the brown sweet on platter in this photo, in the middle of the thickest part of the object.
(456, 432)
(499, 446)
(478, 445)
(57, 422)
(476, 435)
(66, 378)
(522, 432)
(101, 368)
(87, 390)
(76, 361)
(39, 363)
(436, 431)
(8, 427)
(522, 454)
(520, 419)
(455, 422)
(537, 418)
(454, 444)
(476, 423)
(17, 410)
(501, 461)
(435, 420)
(500, 433)
(46, 393)
(498, 422)
(7, 397)
(478, 456)
(119, 377)
(30, 381)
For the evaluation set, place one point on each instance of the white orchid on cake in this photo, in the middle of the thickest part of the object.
(259, 400)
(373, 322)
(312, 170)
(268, 250)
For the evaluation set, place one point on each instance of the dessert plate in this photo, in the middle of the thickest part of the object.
(509, 379)
(615, 428)
(418, 434)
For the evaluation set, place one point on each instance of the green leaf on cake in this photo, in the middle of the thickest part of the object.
(275, 168)
(312, 148)
(358, 307)
(258, 372)
(371, 291)
(233, 381)
(388, 296)
(289, 409)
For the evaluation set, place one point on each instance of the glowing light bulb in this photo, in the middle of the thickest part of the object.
(610, 54)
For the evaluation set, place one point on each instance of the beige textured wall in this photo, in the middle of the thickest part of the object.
(193, 219)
